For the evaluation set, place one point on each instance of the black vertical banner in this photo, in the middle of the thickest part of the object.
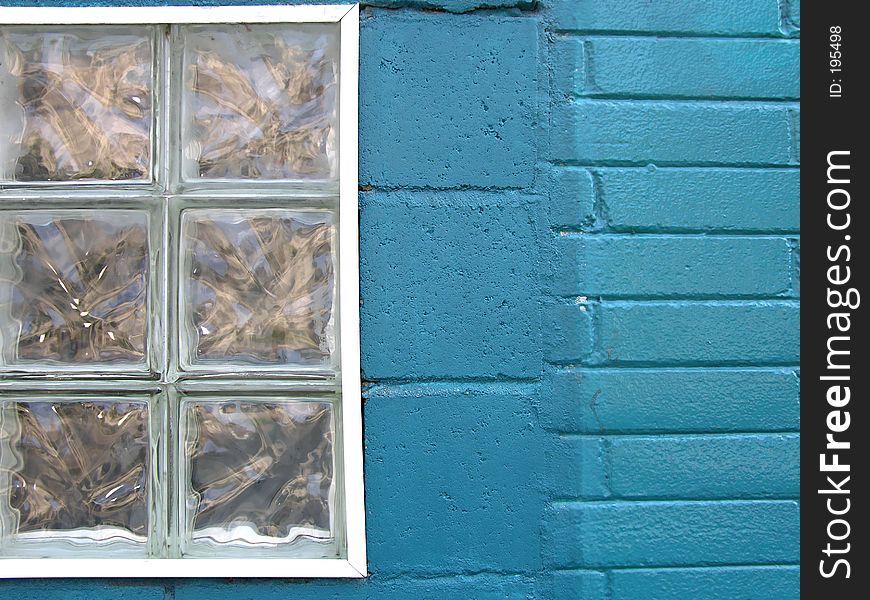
(834, 421)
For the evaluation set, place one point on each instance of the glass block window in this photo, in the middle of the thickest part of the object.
(179, 284)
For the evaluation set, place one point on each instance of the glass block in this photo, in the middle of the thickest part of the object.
(77, 476)
(258, 477)
(260, 102)
(75, 290)
(257, 290)
(76, 104)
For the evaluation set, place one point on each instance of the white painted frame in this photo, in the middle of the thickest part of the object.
(355, 565)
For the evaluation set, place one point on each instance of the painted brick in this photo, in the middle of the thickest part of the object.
(689, 68)
(795, 116)
(701, 333)
(65, 589)
(670, 133)
(668, 266)
(662, 200)
(679, 533)
(709, 466)
(485, 587)
(447, 282)
(577, 468)
(704, 583)
(568, 336)
(572, 585)
(449, 102)
(572, 199)
(675, 400)
(570, 68)
(452, 479)
(796, 266)
(792, 16)
(716, 17)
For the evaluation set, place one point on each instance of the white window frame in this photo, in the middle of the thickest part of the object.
(354, 566)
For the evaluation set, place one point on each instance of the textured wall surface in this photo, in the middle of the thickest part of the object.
(580, 281)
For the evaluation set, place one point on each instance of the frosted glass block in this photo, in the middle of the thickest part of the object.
(258, 477)
(76, 103)
(74, 290)
(257, 290)
(259, 102)
(76, 476)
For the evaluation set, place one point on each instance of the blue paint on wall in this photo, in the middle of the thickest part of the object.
(580, 285)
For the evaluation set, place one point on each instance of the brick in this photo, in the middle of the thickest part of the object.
(572, 199)
(704, 583)
(453, 478)
(577, 468)
(701, 333)
(717, 17)
(676, 400)
(568, 335)
(796, 266)
(572, 585)
(795, 116)
(567, 55)
(670, 133)
(447, 282)
(679, 533)
(688, 68)
(674, 266)
(448, 102)
(662, 200)
(792, 16)
(709, 466)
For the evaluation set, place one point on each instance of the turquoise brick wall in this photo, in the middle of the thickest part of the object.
(580, 285)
